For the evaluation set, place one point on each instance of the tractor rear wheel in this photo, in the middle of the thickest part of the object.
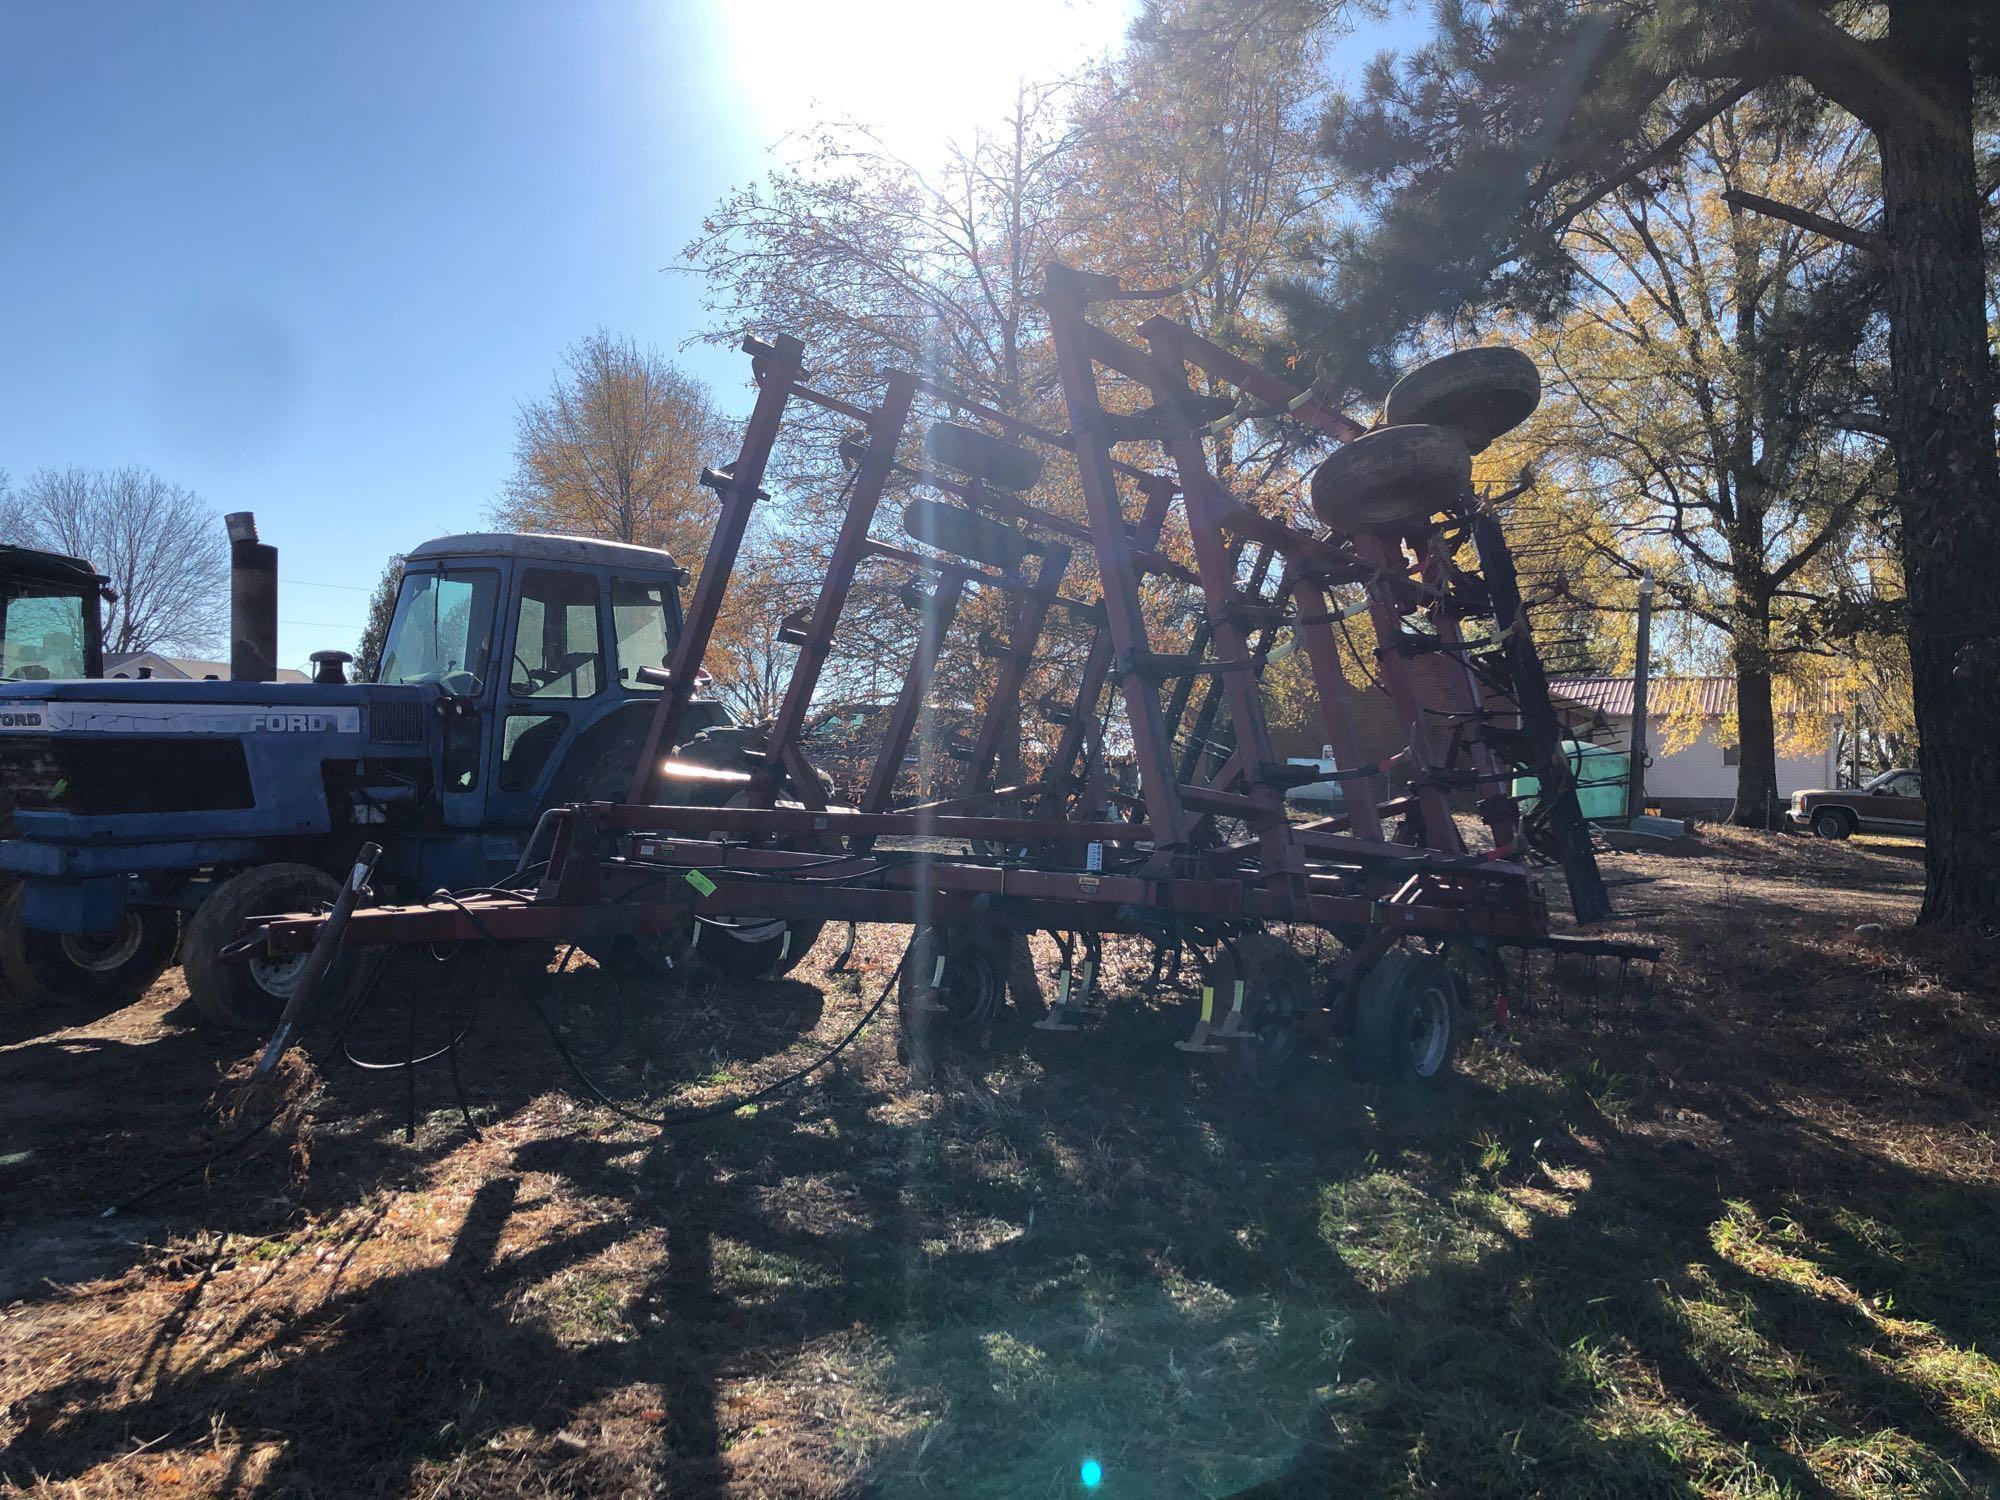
(57, 967)
(250, 994)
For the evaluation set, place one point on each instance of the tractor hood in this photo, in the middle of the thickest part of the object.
(158, 762)
(171, 706)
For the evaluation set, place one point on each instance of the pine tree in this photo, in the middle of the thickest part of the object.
(1484, 148)
(381, 613)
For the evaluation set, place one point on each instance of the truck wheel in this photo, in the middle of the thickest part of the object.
(1832, 823)
(1403, 1022)
(1390, 477)
(37, 967)
(251, 994)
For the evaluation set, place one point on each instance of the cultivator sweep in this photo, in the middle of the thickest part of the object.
(1158, 806)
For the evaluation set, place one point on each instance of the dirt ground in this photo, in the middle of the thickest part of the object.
(1739, 1238)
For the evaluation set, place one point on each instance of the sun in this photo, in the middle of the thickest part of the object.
(921, 73)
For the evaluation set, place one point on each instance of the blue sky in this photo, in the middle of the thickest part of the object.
(307, 259)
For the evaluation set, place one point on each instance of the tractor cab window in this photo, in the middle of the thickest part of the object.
(443, 630)
(640, 619)
(41, 634)
(558, 652)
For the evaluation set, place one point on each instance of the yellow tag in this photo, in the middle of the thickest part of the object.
(1208, 1002)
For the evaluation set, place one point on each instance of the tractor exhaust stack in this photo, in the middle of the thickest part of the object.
(253, 602)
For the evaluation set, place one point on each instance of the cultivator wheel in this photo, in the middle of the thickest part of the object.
(1391, 477)
(1478, 393)
(1277, 989)
(767, 948)
(1404, 1027)
(950, 991)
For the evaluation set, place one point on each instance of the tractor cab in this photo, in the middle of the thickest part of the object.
(50, 616)
(519, 672)
(537, 646)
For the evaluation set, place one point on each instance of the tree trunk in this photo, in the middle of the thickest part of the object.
(1756, 742)
(1943, 383)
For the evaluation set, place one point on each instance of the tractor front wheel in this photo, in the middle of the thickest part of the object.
(250, 993)
(119, 965)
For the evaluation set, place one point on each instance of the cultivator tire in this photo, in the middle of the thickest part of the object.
(1405, 1024)
(1477, 393)
(980, 455)
(756, 949)
(950, 991)
(650, 957)
(39, 968)
(1391, 478)
(1277, 990)
(250, 994)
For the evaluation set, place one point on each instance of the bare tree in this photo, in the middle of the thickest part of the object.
(160, 545)
(615, 450)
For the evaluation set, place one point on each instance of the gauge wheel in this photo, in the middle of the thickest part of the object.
(1477, 393)
(1392, 477)
(250, 994)
(1277, 991)
(1404, 1026)
(950, 990)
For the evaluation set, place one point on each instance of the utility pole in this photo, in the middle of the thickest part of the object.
(1635, 777)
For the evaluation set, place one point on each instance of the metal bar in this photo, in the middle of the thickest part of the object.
(1062, 777)
(850, 546)
(746, 479)
(1433, 810)
(1005, 702)
(939, 612)
(1496, 805)
(1063, 294)
(792, 820)
(991, 895)
(1541, 731)
(1336, 699)
(1214, 360)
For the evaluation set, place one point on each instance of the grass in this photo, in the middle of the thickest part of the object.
(1743, 1243)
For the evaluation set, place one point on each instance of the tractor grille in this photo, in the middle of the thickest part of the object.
(396, 723)
(95, 778)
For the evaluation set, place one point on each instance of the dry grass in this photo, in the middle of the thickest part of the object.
(1745, 1241)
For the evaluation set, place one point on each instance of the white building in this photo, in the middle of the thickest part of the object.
(181, 668)
(1698, 777)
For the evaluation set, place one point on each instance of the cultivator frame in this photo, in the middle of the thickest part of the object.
(1204, 853)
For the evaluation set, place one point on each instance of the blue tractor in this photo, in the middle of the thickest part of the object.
(143, 818)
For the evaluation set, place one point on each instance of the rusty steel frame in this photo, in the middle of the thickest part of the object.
(645, 865)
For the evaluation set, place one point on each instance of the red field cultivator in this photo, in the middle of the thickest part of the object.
(1197, 851)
